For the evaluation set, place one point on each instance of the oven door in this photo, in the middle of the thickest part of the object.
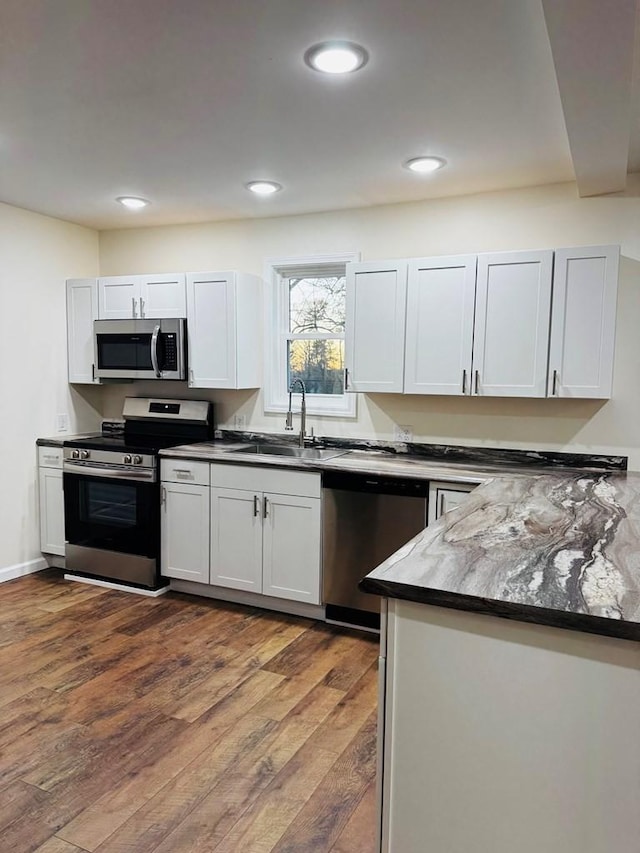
(112, 527)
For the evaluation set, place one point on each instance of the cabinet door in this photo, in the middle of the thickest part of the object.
(211, 330)
(51, 511)
(236, 539)
(374, 327)
(440, 305)
(118, 297)
(511, 333)
(583, 322)
(446, 496)
(291, 537)
(163, 296)
(82, 310)
(185, 532)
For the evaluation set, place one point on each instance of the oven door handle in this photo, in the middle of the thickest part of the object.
(111, 473)
(154, 350)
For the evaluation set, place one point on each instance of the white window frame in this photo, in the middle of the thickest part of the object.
(276, 395)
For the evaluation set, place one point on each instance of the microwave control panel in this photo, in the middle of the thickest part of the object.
(170, 361)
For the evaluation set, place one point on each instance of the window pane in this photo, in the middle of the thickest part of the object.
(319, 363)
(317, 304)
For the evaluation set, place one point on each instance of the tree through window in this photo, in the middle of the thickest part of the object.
(315, 340)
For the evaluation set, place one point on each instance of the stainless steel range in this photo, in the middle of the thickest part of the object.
(112, 489)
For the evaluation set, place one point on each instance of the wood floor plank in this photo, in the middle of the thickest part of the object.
(319, 824)
(211, 820)
(57, 845)
(349, 716)
(212, 733)
(176, 725)
(360, 832)
(16, 799)
(265, 821)
(144, 831)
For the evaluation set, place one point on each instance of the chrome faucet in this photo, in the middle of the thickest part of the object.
(303, 411)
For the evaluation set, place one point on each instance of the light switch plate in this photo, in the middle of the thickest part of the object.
(62, 422)
(239, 421)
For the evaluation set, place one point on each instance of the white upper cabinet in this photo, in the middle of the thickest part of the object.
(224, 323)
(162, 296)
(82, 310)
(585, 287)
(511, 335)
(439, 337)
(140, 297)
(374, 328)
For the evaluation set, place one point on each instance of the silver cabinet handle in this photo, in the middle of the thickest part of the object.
(93, 373)
(265, 511)
(346, 378)
(191, 377)
(183, 472)
(477, 382)
(441, 509)
(554, 384)
(141, 307)
(464, 381)
(133, 306)
(256, 506)
(154, 350)
(163, 497)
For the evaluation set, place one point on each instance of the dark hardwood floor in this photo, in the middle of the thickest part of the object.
(180, 725)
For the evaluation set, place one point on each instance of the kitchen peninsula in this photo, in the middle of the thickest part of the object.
(502, 734)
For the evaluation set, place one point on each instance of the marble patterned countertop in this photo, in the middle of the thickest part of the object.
(559, 548)
(535, 541)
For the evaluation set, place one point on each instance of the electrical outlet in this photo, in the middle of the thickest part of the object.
(403, 432)
(239, 422)
(62, 422)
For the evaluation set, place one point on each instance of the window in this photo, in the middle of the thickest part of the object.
(305, 337)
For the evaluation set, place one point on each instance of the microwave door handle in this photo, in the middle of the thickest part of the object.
(154, 351)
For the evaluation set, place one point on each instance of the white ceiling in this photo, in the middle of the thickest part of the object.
(183, 101)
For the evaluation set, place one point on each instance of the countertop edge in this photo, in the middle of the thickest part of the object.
(582, 622)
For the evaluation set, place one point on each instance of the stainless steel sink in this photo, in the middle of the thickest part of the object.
(289, 450)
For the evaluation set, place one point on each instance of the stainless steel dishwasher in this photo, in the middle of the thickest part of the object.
(366, 519)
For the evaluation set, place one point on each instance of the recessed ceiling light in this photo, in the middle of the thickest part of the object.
(424, 165)
(132, 202)
(336, 57)
(263, 187)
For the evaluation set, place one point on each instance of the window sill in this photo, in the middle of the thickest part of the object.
(344, 409)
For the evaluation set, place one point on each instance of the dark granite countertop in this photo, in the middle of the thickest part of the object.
(59, 440)
(559, 549)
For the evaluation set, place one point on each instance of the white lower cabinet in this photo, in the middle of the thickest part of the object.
(236, 539)
(446, 496)
(185, 532)
(291, 547)
(184, 522)
(254, 529)
(265, 531)
(51, 500)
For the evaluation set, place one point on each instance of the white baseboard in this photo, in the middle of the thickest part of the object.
(19, 570)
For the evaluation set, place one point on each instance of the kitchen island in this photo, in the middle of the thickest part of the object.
(519, 733)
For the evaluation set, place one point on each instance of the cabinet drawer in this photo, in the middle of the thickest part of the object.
(254, 478)
(50, 457)
(184, 471)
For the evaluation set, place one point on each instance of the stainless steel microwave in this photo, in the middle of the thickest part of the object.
(140, 349)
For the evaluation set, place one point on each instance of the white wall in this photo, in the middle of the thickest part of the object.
(541, 217)
(37, 254)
